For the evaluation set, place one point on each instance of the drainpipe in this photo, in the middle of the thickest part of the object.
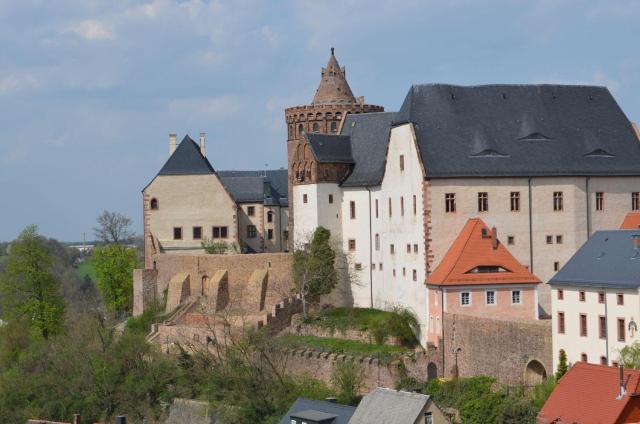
(370, 251)
(442, 322)
(588, 210)
(530, 228)
(606, 324)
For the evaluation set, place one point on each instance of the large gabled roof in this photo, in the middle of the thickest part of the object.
(474, 249)
(187, 160)
(389, 406)
(607, 259)
(520, 130)
(587, 393)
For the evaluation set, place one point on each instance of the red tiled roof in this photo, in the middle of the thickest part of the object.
(631, 221)
(472, 249)
(587, 393)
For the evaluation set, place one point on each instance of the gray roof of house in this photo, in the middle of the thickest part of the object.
(387, 406)
(607, 259)
(369, 136)
(330, 148)
(270, 187)
(520, 130)
(187, 160)
(319, 409)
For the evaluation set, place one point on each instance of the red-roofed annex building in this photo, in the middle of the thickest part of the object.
(594, 394)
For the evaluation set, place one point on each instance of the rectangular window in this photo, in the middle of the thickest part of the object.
(415, 205)
(270, 234)
(557, 201)
(415, 275)
(556, 266)
(600, 297)
(392, 249)
(251, 210)
(602, 327)
(483, 201)
(177, 233)
(583, 357)
(635, 201)
(252, 232)
(377, 208)
(560, 294)
(390, 208)
(515, 297)
(450, 202)
(583, 325)
(404, 271)
(377, 241)
(402, 162)
(408, 248)
(558, 239)
(373, 266)
(491, 297)
(515, 201)
(269, 216)
(428, 418)
(304, 198)
(599, 201)
(401, 205)
(358, 266)
(603, 360)
(285, 235)
(620, 298)
(465, 298)
(380, 266)
(549, 239)
(415, 248)
(511, 240)
(561, 322)
(223, 232)
(352, 209)
(352, 245)
(331, 198)
(197, 233)
(621, 330)
(582, 295)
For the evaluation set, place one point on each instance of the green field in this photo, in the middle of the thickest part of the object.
(87, 268)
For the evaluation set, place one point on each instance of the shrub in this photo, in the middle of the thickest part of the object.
(347, 377)
(402, 324)
(379, 330)
(221, 247)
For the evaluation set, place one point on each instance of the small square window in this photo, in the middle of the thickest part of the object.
(197, 233)
(558, 239)
(620, 298)
(352, 245)
(582, 296)
(251, 210)
(511, 240)
(549, 239)
(177, 233)
(600, 297)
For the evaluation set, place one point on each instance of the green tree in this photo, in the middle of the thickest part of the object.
(114, 269)
(630, 355)
(28, 287)
(348, 377)
(562, 365)
(314, 272)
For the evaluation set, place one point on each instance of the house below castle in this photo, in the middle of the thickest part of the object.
(189, 205)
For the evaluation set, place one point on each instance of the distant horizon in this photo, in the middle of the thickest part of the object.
(90, 91)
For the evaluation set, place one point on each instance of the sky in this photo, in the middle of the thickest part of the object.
(89, 90)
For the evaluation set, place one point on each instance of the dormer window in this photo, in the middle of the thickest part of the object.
(153, 204)
(482, 269)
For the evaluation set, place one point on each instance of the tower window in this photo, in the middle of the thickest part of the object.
(304, 198)
(377, 208)
(583, 325)
(401, 205)
(377, 241)
(415, 205)
(557, 201)
(154, 204)
(300, 129)
(483, 201)
(390, 208)
(334, 127)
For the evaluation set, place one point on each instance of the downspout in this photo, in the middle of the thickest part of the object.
(606, 324)
(530, 228)
(442, 322)
(589, 213)
(370, 252)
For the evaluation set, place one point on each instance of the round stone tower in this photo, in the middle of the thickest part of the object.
(332, 102)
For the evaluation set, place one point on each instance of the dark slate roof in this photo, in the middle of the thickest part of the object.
(187, 160)
(330, 148)
(607, 259)
(520, 130)
(369, 136)
(321, 408)
(270, 187)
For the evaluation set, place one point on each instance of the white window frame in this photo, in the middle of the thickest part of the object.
(519, 297)
(486, 297)
(463, 304)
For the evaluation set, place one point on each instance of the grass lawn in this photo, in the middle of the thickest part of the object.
(87, 268)
(349, 347)
(355, 318)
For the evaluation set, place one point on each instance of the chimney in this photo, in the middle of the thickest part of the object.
(494, 238)
(172, 143)
(622, 391)
(76, 418)
(203, 148)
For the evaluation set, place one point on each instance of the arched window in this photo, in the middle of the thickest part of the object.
(154, 204)
(318, 116)
(315, 127)
(334, 127)
(300, 129)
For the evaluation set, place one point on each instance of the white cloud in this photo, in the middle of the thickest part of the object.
(207, 108)
(91, 30)
(17, 82)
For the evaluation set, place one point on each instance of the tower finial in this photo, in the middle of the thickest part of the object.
(332, 49)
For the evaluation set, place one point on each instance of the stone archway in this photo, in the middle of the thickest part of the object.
(432, 371)
(534, 373)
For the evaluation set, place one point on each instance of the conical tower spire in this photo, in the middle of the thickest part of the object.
(333, 87)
